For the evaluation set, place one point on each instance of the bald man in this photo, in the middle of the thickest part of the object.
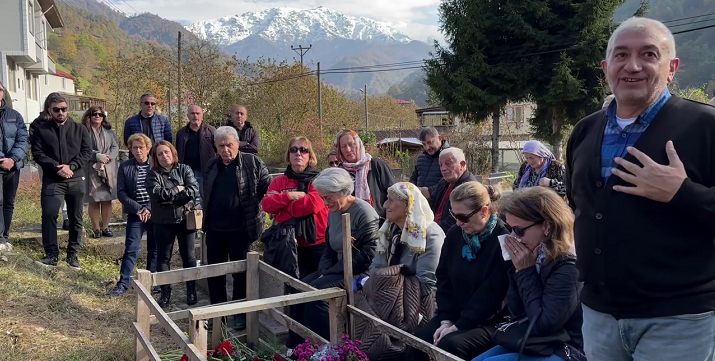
(249, 140)
(195, 144)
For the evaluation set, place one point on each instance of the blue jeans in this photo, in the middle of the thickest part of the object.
(135, 229)
(499, 353)
(683, 337)
(200, 179)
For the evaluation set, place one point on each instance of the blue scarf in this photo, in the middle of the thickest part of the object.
(540, 257)
(473, 243)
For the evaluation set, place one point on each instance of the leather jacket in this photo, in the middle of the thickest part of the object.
(167, 201)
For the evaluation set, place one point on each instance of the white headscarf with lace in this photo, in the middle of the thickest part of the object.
(419, 217)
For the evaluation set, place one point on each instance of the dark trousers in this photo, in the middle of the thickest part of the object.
(8, 182)
(224, 247)
(314, 315)
(164, 235)
(53, 192)
(132, 243)
(465, 344)
(309, 259)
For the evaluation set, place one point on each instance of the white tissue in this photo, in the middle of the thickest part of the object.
(504, 253)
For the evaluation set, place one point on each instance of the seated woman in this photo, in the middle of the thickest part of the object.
(540, 169)
(543, 284)
(292, 198)
(335, 186)
(410, 244)
(472, 277)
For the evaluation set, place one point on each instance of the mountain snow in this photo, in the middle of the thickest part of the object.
(287, 26)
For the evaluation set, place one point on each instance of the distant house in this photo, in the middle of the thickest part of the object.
(403, 102)
(23, 52)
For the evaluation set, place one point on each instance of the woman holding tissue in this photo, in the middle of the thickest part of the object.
(543, 296)
(472, 276)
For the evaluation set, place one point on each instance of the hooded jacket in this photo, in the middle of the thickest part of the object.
(14, 135)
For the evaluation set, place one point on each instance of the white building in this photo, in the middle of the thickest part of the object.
(24, 61)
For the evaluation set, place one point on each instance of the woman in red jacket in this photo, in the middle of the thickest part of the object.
(292, 196)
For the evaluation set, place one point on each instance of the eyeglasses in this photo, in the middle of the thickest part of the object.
(464, 218)
(98, 115)
(334, 163)
(520, 231)
(302, 150)
(59, 110)
(149, 103)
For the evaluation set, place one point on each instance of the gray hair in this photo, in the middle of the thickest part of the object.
(334, 180)
(642, 24)
(608, 101)
(428, 132)
(457, 153)
(225, 132)
(146, 95)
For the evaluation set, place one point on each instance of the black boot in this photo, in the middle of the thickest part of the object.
(165, 297)
(191, 293)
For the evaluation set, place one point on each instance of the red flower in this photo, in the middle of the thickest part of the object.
(226, 348)
(278, 357)
(184, 358)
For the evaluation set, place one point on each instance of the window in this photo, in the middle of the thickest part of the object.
(515, 114)
(31, 16)
(35, 86)
(28, 87)
(47, 80)
(64, 84)
(12, 81)
(83, 105)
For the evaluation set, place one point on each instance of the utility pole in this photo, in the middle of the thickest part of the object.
(168, 112)
(178, 76)
(320, 100)
(366, 116)
(301, 51)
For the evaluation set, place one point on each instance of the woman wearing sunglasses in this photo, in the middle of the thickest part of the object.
(543, 282)
(292, 197)
(472, 277)
(102, 170)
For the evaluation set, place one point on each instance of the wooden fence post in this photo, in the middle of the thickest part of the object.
(198, 334)
(143, 314)
(252, 293)
(348, 274)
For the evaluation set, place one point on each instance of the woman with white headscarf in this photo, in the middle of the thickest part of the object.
(540, 169)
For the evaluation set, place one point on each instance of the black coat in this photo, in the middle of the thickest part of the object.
(553, 295)
(363, 251)
(127, 186)
(437, 193)
(207, 149)
(426, 172)
(253, 181)
(249, 140)
(71, 146)
(379, 178)
(167, 202)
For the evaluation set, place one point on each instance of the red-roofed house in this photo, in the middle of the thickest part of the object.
(403, 102)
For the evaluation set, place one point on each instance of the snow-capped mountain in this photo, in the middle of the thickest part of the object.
(286, 26)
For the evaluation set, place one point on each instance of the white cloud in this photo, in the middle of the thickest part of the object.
(407, 15)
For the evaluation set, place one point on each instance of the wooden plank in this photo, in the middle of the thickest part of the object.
(171, 328)
(198, 334)
(434, 352)
(142, 316)
(348, 272)
(252, 293)
(197, 273)
(266, 303)
(216, 333)
(182, 314)
(144, 339)
(333, 312)
(296, 326)
(285, 278)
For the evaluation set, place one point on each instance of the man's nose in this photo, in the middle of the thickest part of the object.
(633, 65)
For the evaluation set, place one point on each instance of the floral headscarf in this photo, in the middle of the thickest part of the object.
(419, 217)
(360, 168)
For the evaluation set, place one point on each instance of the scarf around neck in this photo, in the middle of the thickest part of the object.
(304, 226)
(419, 217)
(473, 243)
(360, 168)
(538, 149)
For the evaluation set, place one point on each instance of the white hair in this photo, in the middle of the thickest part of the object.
(334, 180)
(642, 24)
(457, 153)
(225, 132)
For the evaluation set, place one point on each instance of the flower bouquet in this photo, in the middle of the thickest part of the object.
(347, 350)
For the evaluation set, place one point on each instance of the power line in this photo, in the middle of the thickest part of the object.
(135, 10)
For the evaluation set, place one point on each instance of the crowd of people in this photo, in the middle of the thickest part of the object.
(444, 257)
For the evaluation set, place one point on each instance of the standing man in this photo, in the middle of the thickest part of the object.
(235, 185)
(427, 173)
(63, 149)
(13, 145)
(195, 144)
(249, 136)
(155, 126)
(644, 208)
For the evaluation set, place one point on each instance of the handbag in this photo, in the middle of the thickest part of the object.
(194, 216)
(515, 336)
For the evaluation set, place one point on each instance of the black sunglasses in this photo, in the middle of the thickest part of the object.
(464, 218)
(521, 231)
(58, 110)
(302, 150)
(149, 103)
(98, 115)
(334, 163)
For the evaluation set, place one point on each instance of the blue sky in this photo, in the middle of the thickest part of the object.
(416, 18)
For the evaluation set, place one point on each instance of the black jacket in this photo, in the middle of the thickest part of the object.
(363, 251)
(640, 258)
(437, 193)
(207, 149)
(127, 186)
(167, 202)
(426, 172)
(379, 178)
(471, 293)
(253, 182)
(70, 145)
(249, 141)
(553, 294)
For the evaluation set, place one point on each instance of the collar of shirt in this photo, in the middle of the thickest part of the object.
(644, 118)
